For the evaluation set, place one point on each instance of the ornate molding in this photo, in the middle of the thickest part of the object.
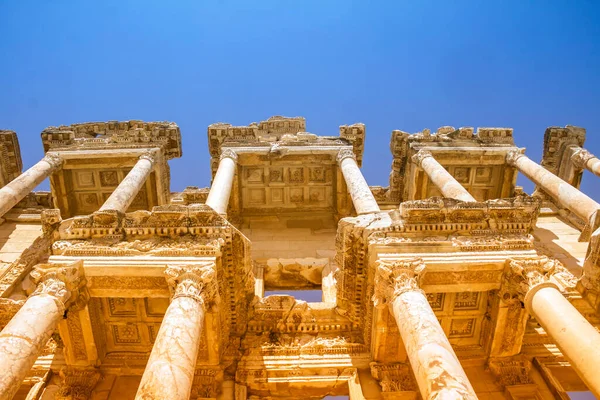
(150, 155)
(65, 282)
(395, 377)
(513, 155)
(420, 156)
(526, 276)
(511, 372)
(195, 281)
(54, 159)
(228, 153)
(392, 278)
(345, 153)
(581, 157)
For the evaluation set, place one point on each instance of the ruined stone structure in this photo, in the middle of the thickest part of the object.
(451, 283)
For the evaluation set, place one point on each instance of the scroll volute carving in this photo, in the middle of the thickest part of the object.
(394, 277)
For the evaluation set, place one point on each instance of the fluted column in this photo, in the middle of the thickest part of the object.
(362, 197)
(440, 177)
(24, 337)
(438, 371)
(565, 194)
(220, 190)
(21, 186)
(170, 370)
(583, 159)
(125, 193)
(576, 338)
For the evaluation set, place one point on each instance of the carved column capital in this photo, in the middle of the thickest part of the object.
(513, 155)
(77, 384)
(510, 372)
(150, 155)
(54, 159)
(392, 278)
(196, 281)
(228, 153)
(581, 157)
(420, 156)
(65, 282)
(526, 276)
(345, 153)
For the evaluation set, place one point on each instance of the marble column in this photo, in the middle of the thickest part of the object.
(169, 373)
(583, 159)
(576, 338)
(129, 187)
(438, 371)
(220, 190)
(22, 185)
(362, 197)
(441, 178)
(58, 287)
(565, 194)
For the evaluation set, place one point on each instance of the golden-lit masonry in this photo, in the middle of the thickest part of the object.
(450, 283)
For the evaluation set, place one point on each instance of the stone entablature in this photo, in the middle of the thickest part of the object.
(114, 135)
(11, 165)
(475, 159)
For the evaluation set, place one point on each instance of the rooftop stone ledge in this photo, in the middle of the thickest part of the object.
(114, 135)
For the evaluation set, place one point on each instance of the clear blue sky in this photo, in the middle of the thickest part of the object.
(391, 65)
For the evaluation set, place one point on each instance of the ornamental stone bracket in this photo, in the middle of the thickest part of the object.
(560, 157)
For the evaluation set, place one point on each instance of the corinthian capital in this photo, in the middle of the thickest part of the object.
(392, 278)
(196, 281)
(228, 153)
(581, 157)
(54, 159)
(150, 155)
(65, 282)
(526, 275)
(420, 156)
(345, 153)
(513, 155)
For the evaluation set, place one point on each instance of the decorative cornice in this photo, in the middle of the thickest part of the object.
(196, 281)
(525, 276)
(512, 157)
(345, 153)
(393, 278)
(420, 156)
(65, 282)
(581, 157)
(228, 153)
(54, 159)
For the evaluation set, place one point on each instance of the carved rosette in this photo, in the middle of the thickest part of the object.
(513, 155)
(65, 282)
(345, 153)
(581, 157)
(228, 153)
(526, 276)
(54, 159)
(420, 156)
(392, 278)
(195, 281)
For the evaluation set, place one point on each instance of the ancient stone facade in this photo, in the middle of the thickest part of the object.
(450, 283)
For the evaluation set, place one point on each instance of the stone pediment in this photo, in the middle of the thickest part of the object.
(115, 135)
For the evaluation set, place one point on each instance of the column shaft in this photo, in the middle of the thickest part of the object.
(125, 193)
(21, 186)
(576, 201)
(577, 339)
(170, 370)
(441, 178)
(362, 197)
(22, 340)
(583, 159)
(220, 190)
(438, 372)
